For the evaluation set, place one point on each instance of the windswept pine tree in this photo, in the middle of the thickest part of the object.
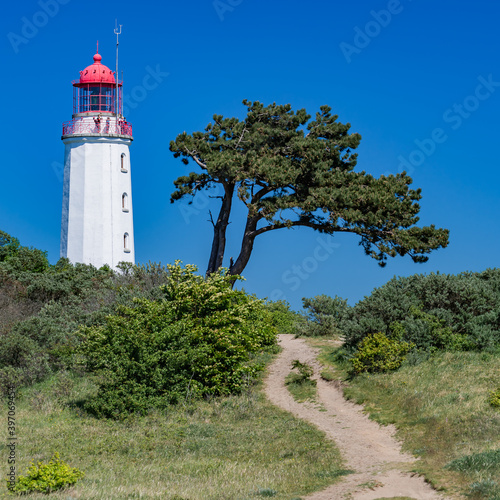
(290, 171)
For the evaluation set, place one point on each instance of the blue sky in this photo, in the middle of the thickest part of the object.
(419, 80)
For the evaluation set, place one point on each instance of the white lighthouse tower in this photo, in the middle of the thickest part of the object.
(97, 224)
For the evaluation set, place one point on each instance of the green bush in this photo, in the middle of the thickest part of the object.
(199, 340)
(323, 315)
(8, 246)
(305, 372)
(41, 306)
(430, 333)
(49, 477)
(437, 311)
(378, 353)
(494, 398)
(284, 319)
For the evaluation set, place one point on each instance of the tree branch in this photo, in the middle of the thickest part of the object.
(192, 154)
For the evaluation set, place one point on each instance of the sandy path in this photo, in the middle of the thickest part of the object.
(368, 448)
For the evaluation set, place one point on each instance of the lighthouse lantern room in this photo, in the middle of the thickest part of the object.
(97, 222)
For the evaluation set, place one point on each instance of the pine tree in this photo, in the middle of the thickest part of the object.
(288, 171)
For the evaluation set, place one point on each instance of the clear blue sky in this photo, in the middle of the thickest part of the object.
(419, 80)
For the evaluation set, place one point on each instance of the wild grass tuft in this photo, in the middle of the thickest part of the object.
(300, 384)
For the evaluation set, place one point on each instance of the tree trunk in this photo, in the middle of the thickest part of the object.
(219, 240)
(246, 246)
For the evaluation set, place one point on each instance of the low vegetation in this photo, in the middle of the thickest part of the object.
(47, 478)
(423, 353)
(200, 339)
(146, 381)
(434, 312)
(378, 353)
(169, 362)
(299, 382)
(217, 448)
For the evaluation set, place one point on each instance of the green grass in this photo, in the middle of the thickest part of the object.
(440, 408)
(239, 447)
(301, 389)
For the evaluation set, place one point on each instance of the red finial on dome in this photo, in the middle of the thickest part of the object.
(97, 72)
(97, 57)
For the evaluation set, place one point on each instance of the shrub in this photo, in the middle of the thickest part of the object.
(430, 333)
(199, 340)
(494, 398)
(8, 246)
(378, 353)
(49, 477)
(305, 371)
(323, 314)
(437, 311)
(41, 306)
(285, 320)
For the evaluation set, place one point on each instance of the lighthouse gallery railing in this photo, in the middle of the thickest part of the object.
(85, 127)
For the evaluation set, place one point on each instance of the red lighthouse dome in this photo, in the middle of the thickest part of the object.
(97, 72)
(97, 101)
(96, 90)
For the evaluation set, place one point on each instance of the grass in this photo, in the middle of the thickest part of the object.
(300, 384)
(239, 447)
(440, 408)
(301, 389)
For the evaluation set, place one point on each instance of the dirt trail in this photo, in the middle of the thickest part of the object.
(368, 448)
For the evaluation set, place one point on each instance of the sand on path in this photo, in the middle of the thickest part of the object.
(381, 468)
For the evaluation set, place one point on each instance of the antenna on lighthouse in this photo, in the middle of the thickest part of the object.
(118, 31)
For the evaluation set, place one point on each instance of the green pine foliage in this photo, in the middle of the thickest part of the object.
(200, 339)
(46, 478)
(290, 169)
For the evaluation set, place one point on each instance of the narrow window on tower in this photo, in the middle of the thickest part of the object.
(124, 202)
(123, 163)
(126, 248)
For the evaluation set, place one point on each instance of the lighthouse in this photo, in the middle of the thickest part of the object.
(97, 219)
